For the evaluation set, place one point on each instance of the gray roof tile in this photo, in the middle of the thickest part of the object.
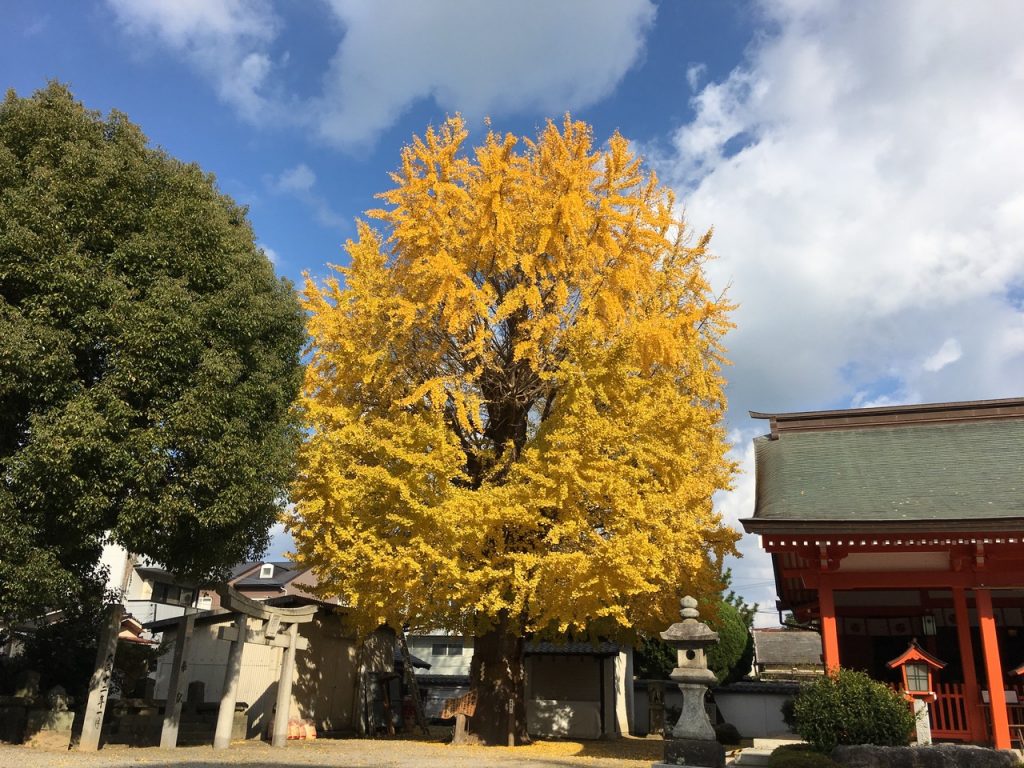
(961, 471)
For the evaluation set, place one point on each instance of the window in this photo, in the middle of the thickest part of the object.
(205, 603)
(446, 649)
(266, 571)
(168, 593)
(917, 677)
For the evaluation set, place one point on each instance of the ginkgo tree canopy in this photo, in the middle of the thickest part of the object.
(515, 396)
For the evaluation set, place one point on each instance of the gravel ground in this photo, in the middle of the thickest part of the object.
(349, 753)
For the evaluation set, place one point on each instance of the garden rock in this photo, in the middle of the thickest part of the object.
(935, 756)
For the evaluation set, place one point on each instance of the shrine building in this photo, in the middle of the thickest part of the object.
(894, 524)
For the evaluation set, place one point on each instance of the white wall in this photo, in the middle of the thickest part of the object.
(323, 689)
(755, 715)
(115, 559)
(421, 646)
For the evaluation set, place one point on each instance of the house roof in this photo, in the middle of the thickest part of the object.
(284, 571)
(571, 649)
(416, 661)
(953, 473)
(787, 647)
(162, 575)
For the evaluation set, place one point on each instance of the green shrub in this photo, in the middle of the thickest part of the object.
(799, 756)
(848, 707)
(727, 733)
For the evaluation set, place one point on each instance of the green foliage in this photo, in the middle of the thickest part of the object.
(799, 756)
(63, 653)
(727, 734)
(133, 663)
(653, 659)
(149, 359)
(730, 659)
(848, 707)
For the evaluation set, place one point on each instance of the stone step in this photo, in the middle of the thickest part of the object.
(775, 742)
(752, 756)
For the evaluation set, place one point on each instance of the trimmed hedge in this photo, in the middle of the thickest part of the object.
(848, 707)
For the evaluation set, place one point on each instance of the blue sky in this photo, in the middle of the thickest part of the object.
(862, 163)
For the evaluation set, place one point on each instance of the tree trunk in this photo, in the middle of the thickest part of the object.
(497, 674)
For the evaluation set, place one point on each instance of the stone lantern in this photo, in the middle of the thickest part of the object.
(692, 740)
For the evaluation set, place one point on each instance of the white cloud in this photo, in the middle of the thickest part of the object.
(270, 252)
(753, 576)
(694, 74)
(300, 182)
(476, 58)
(227, 41)
(863, 169)
(471, 57)
(947, 354)
(873, 211)
(298, 179)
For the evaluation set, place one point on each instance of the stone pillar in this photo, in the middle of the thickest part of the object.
(229, 696)
(99, 683)
(922, 723)
(179, 679)
(284, 689)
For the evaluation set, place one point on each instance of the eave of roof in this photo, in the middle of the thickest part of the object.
(909, 527)
(890, 415)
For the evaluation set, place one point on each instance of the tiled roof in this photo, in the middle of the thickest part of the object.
(943, 472)
(787, 647)
(572, 649)
(284, 571)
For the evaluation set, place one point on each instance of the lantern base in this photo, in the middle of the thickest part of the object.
(693, 753)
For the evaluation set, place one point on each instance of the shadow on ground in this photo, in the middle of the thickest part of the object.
(352, 753)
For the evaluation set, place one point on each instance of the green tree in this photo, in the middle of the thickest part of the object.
(730, 659)
(148, 362)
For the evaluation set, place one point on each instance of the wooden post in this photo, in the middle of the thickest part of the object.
(829, 635)
(972, 701)
(178, 682)
(411, 684)
(99, 683)
(229, 696)
(284, 690)
(993, 669)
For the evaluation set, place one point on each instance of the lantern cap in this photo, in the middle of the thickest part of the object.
(916, 653)
(690, 632)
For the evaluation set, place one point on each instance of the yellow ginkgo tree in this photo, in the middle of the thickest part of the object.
(514, 404)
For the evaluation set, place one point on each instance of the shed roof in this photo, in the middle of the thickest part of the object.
(952, 473)
(571, 649)
(787, 647)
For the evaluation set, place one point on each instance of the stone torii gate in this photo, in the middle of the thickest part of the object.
(277, 627)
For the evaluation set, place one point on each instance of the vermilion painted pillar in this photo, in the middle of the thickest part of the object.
(975, 718)
(829, 635)
(993, 669)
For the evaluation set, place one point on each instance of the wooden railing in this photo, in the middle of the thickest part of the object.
(949, 713)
